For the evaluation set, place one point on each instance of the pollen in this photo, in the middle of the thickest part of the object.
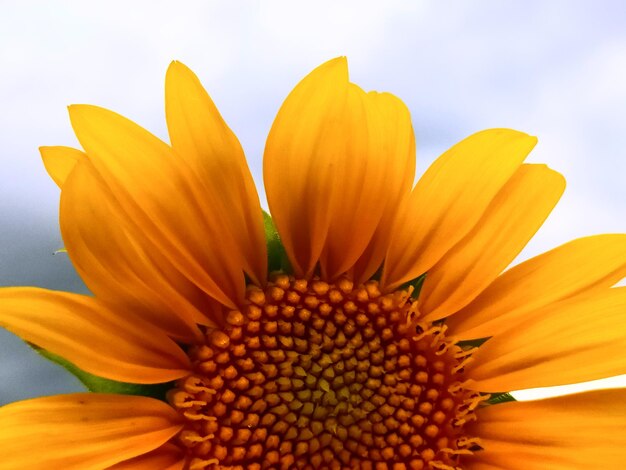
(314, 375)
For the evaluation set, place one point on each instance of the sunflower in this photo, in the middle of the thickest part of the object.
(366, 324)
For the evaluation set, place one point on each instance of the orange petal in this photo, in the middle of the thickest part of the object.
(450, 198)
(164, 198)
(375, 173)
(60, 161)
(585, 264)
(351, 171)
(510, 221)
(103, 342)
(166, 457)
(398, 141)
(587, 430)
(304, 149)
(576, 340)
(478, 463)
(337, 162)
(200, 136)
(115, 262)
(83, 431)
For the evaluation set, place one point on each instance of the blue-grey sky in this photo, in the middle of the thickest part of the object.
(555, 69)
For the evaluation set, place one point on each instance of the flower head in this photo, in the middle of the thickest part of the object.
(365, 324)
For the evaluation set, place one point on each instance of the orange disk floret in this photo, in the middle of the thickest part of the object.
(315, 375)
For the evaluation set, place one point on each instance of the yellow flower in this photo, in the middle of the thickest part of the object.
(347, 358)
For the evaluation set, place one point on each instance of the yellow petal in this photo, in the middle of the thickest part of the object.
(166, 457)
(585, 264)
(450, 198)
(116, 263)
(586, 430)
(84, 431)
(399, 145)
(576, 340)
(367, 175)
(164, 198)
(510, 221)
(200, 136)
(351, 225)
(375, 174)
(337, 162)
(103, 342)
(60, 161)
(300, 163)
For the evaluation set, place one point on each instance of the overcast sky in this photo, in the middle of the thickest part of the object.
(555, 69)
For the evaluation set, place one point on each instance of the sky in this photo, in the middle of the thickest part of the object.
(554, 69)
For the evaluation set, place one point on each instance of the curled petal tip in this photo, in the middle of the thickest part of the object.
(337, 66)
(177, 66)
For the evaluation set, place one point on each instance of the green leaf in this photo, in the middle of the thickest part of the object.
(417, 284)
(60, 250)
(497, 398)
(98, 384)
(276, 256)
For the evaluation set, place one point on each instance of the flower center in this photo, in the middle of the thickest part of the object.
(315, 375)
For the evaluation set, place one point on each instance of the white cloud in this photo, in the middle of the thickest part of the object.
(555, 69)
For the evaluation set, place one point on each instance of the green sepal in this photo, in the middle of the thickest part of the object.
(417, 284)
(472, 343)
(276, 256)
(497, 398)
(98, 384)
